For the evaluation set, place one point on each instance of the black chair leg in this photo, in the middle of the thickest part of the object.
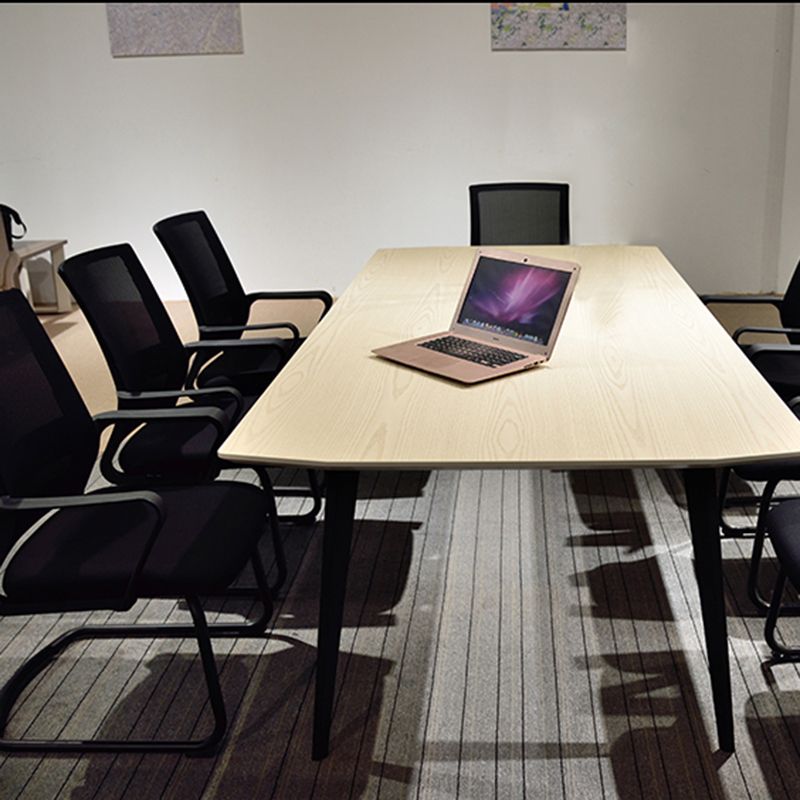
(758, 548)
(724, 480)
(274, 526)
(261, 593)
(210, 744)
(753, 590)
(730, 531)
(779, 651)
(315, 492)
(745, 531)
(34, 665)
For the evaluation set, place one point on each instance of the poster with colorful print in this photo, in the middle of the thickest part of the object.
(559, 26)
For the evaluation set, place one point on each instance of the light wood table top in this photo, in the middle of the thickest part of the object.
(642, 375)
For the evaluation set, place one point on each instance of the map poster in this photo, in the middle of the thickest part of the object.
(174, 29)
(558, 26)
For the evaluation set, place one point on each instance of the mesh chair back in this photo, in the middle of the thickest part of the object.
(519, 213)
(790, 306)
(206, 271)
(136, 334)
(48, 441)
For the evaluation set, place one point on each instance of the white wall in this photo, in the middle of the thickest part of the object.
(345, 128)
(789, 253)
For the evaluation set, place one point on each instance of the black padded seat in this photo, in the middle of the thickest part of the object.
(208, 565)
(71, 556)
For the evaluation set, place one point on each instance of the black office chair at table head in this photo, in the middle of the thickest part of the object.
(519, 213)
(65, 549)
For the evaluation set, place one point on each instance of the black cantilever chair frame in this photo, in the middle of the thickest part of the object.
(65, 549)
(519, 213)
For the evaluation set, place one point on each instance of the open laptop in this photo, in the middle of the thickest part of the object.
(508, 319)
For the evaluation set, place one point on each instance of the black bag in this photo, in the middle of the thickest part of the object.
(12, 217)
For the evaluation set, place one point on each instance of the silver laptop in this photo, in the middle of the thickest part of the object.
(508, 319)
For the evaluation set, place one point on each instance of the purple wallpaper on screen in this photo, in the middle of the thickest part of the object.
(513, 299)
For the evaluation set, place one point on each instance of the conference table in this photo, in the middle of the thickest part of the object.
(642, 376)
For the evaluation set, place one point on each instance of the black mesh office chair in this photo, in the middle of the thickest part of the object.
(138, 338)
(64, 549)
(779, 363)
(519, 213)
(152, 368)
(220, 305)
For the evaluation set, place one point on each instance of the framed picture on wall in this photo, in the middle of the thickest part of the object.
(174, 29)
(559, 26)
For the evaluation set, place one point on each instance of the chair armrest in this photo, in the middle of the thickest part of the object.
(202, 352)
(757, 329)
(225, 344)
(133, 417)
(8, 503)
(761, 354)
(211, 330)
(185, 413)
(310, 294)
(146, 397)
(54, 503)
(770, 299)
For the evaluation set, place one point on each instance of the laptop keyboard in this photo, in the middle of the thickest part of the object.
(472, 351)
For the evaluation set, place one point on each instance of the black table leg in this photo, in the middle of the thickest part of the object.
(701, 496)
(340, 502)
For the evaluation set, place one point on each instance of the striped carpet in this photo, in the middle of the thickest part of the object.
(508, 634)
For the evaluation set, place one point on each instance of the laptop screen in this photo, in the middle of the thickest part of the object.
(512, 299)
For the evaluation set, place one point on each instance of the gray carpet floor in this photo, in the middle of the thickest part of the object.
(508, 634)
